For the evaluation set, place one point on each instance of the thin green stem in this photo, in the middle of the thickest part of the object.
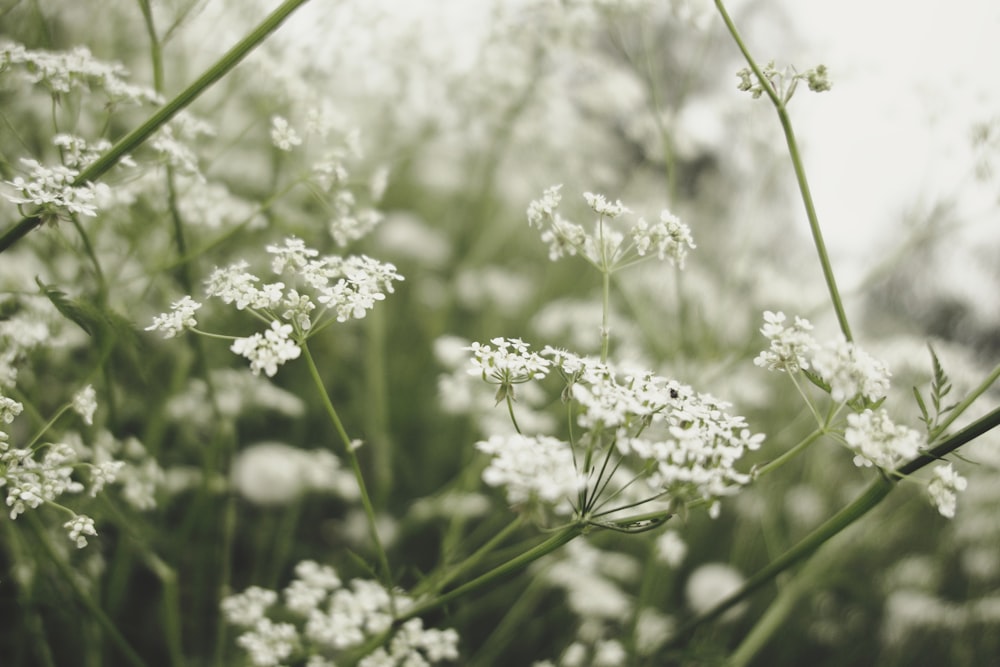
(349, 448)
(605, 307)
(790, 454)
(800, 174)
(71, 578)
(136, 137)
(510, 410)
(519, 562)
(454, 572)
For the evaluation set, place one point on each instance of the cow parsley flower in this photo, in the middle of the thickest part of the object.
(876, 440)
(533, 469)
(85, 403)
(180, 318)
(283, 135)
(506, 362)
(269, 350)
(612, 244)
(78, 528)
(847, 371)
(944, 488)
(325, 616)
(791, 347)
(9, 408)
(54, 191)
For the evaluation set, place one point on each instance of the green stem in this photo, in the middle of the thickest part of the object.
(454, 572)
(519, 562)
(355, 466)
(605, 307)
(71, 578)
(800, 173)
(790, 454)
(136, 137)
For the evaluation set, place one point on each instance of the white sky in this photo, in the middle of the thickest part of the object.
(910, 81)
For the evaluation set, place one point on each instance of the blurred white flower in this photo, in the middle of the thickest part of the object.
(712, 583)
(273, 473)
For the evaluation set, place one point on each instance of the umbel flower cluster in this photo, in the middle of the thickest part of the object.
(854, 378)
(43, 472)
(331, 617)
(642, 437)
(607, 247)
(315, 291)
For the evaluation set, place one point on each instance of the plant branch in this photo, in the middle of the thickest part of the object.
(136, 137)
(800, 174)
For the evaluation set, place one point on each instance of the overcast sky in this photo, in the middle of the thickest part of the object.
(910, 81)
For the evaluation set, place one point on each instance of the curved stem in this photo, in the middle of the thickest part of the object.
(349, 448)
(136, 137)
(800, 174)
(458, 570)
(790, 454)
(519, 562)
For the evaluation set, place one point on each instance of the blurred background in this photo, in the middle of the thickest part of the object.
(448, 117)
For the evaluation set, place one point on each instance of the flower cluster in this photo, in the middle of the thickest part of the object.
(607, 247)
(944, 487)
(533, 469)
(685, 443)
(876, 440)
(315, 289)
(506, 362)
(54, 191)
(66, 71)
(784, 82)
(842, 368)
(330, 617)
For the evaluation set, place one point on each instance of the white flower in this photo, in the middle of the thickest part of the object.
(506, 362)
(268, 351)
(269, 643)
(283, 135)
(246, 608)
(670, 548)
(78, 527)
(712, 583)
(604, 207)
(670, 237)
(944, 488)
(850, 371)
(54, 191)
(876, 440)
(791, 347)
(85, 403)
(180, 318)
(538, 468)
(9, 408)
